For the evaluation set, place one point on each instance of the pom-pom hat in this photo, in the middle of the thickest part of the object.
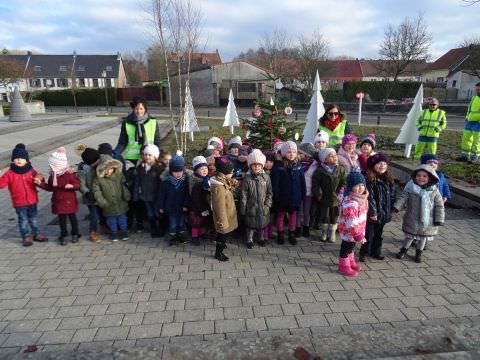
(256, 157)
(20, 152)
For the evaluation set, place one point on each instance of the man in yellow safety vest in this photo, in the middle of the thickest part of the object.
(471, 131)
(430, 124)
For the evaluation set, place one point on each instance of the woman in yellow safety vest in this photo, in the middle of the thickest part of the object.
(138, 129)
(335, 124)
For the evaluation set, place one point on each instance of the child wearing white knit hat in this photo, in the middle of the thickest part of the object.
(256, 198)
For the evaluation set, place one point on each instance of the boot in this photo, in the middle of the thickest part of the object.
(75, 238)
(280, 238)
(298, 232)
(181, 239)
(62, 241)
(323, 232)
(219, 255)
(27, 241)
(402, 253)
(139, 228)
(332, 229)
(39, 238)
(306, 231)
(344, 267)
(292, 237)
(153, 229)
(195, 241)
(353, 263)
(94, 236)
(418, 256)
(172, 239)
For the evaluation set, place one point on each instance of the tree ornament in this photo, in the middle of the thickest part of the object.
(288, 110)
(257, 112)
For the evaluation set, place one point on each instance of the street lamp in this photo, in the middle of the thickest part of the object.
(104, 75)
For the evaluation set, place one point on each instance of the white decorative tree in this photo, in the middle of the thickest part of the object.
(315, 112)
(189, 124)
(409, 133)
(231, 116)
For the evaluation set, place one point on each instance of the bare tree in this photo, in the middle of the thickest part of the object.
(10, 71)
(472, 61)
(135, 67)
(313, 53)
(401, 47)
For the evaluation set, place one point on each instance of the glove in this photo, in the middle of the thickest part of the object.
(436, 223)
(205, 213)
(90, 197)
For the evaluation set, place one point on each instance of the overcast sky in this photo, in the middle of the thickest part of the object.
(352, 27)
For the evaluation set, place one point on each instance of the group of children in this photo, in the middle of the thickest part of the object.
(234, 189)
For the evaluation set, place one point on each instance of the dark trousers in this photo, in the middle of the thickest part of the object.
(373, 235)
(328, 215)
(346, 248)
(136, 210)
(62, 220)
(27, 220)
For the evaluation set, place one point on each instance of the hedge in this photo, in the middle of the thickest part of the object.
(85, 97)
(377, 89)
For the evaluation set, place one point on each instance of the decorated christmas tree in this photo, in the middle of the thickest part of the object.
(270, 121)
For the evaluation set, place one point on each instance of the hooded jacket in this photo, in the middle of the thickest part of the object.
(422, 218)
(110, 192)
(256, 200)
(223, 204)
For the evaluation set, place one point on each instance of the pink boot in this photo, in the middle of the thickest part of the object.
(353, 264)
(344, 267)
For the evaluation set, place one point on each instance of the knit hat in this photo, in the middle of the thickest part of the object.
(151, 149)
(277, 144)
(20, 152)
(269, 155)
(199, 161)
(209, 151)
(324, 153)
(90, 156)
(307, 149)
(80, 148)
(58, 163)
(235, 141)
(256, 157)
(348, 138)
(105, 149)
(428, 157)
(287, 146)
(354, 178)
(177, 163)
(322, 135)
(371, 139)
(215, 139)
(375, 159)
(223, 165)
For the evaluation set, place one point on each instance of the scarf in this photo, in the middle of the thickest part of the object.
(352, 159)
(174, 181)
(306, 164)
(21, 169)
(205, 181)
(56, 173)
(361, 199)
(332, 124)
(328, 169)
(139, 134)
(426, 204)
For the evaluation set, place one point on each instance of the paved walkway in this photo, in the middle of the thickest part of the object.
(140, 292)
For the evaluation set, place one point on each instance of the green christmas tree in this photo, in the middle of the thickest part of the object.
(270, 122)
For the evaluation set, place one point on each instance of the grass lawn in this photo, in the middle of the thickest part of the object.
(448, 145)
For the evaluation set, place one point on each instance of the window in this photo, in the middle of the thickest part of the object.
(63, 68)
(81, 82)
(62, 82)
(81, 68)
(247, 87)
(37, 68)
(439, 79)
(109, 68)
(95, 83)
(454, 83)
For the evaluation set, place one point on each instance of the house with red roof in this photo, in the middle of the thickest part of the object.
(438, 71)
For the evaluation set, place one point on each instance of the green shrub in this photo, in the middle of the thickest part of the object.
(85, 97)
(377, 89)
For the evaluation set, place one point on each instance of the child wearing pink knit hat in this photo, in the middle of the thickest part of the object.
(347, 154)
(63, 184)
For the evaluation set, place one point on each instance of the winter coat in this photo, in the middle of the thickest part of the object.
(288, 184)
(411, 199)
(443, 186)
(173, 198)
(21, 187)
(256, 200)
(325, 186)
(64, 201)
(111, 193)
(223, 204)
(349, 161)
(199, 197)
(86, 175)
(381, 197)
(353, 218)
(308, 177)
(147, 183)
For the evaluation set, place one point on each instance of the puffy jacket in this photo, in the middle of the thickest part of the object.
(223, 204)
(326, 186)
(256, 200)
(172, 197)
(111, 193)
(147, 183)
(381, 197)
(22, 189)
(199, 197)
(353, 219)
(86, 175)
(288, 184)
(64, 201)
(443, 185)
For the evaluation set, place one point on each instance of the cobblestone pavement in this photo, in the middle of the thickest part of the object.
(142, 291)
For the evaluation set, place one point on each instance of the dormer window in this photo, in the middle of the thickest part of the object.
(81, 67)
(63, 68)
(37, 68)
(109, 68)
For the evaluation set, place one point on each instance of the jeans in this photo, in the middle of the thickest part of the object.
(176, 223)
(94, 217)
(27, 215)
(150, 210)
(117, 223)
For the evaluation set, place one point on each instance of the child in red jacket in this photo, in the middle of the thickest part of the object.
(20, 179)
(63, 184)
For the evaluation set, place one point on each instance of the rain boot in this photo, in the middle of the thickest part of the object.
(353, 263)
(402, 253)
(344, 267)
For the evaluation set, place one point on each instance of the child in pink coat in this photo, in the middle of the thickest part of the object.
(347, 154)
